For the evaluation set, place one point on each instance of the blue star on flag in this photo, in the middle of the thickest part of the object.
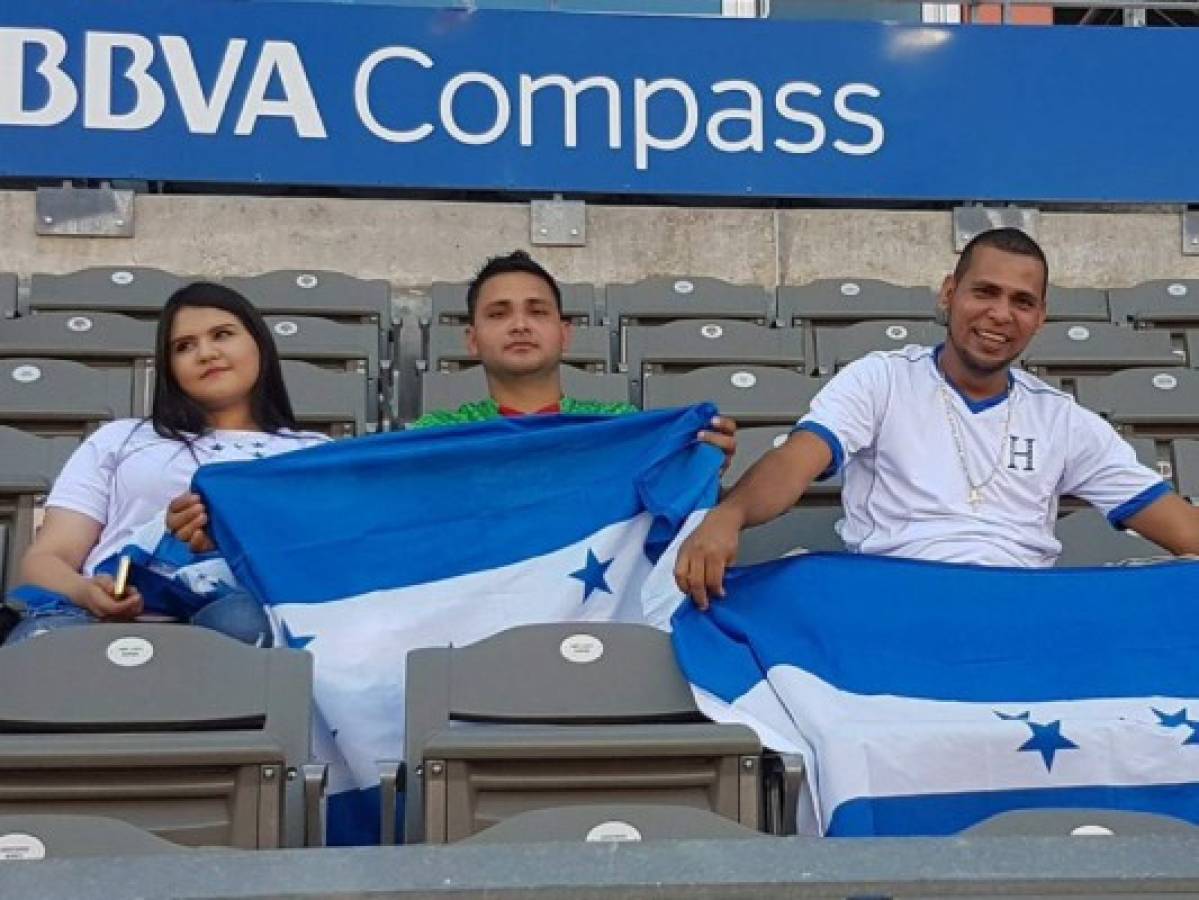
(1014, 717)
(592, 576)
(1194, 726)
(295, 642)
(1047, 740)
(1171, 720)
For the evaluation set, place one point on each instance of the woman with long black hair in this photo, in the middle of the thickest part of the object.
(218, 396)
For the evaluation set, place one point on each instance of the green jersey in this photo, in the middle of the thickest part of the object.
(485, 410)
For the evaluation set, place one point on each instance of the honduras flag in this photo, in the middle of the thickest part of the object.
(926, 697)
(366, 549)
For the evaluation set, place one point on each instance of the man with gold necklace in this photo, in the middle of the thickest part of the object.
(948, 453)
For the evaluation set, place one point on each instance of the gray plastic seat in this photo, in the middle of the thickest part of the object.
(564, 714)
(1080, 823)
(848, 300)
(448, 303)
(1155, 402)
(8, 295)
(449, 390)
(1186, 468)
(754, 443)
(679, 346)
(668, 298)
(610, 822)
(54, 396)
(753, 395)
(331, 295)
(349, 346)
(28, 467)
(1161, 302)
(590, 349)
(339, 403)
(127, 289)
(1088, 539)
(806, 527)
(1076, 304)
(1074, 348)
(178, 730)
(42, 836)
(838, 346)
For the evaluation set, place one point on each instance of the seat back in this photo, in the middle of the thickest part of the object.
(669, 298)
(562, 714)
(848, 300)
(702, 342)
(804, 528)
(1076, 304)
(1150, 402)
(1065, 348)
(1088, 539)
(8, 295)
(753, 395)
(1186, 468)
(1157, 303)
(136, 290)
(339, 403)
(42, 836)
(612, 822)
(175, 729)
(52, 396)
(1079, 823)
(28, 467)
(331, 295)
(838, 346)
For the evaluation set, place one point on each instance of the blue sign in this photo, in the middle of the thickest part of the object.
(371, 96)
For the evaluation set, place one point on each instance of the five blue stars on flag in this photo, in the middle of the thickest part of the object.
(592, 575)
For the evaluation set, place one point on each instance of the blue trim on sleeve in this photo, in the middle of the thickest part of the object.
(1127, 510)
(834, 446)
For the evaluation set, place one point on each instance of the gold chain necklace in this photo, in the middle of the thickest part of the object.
(975, 497)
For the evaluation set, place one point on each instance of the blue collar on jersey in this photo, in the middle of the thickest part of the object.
(975, 406)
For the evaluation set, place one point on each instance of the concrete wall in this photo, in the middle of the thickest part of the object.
(411, 243)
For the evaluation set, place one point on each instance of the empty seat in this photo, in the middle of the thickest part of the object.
(838, 346)
(449, 390)
(1074, 348)
(750, 394)
(331, 295)
(36, 837)
(612, 822)
(1186, 468)
(833, 300)
(1076, 304)
(564, 714)
(178, 730)
(8, 295)
(131, 289)
(1152, 402)
(590, 349)
(448, 302)
(754, 443)
(1088, 539)
(1079, 823)
(1162, 302)
(685, 345)
(54, 396)
(804, 528)
(28, 467)
(664, 299)
(339, 403)
(350, 346)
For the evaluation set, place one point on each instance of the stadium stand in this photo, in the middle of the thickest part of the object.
(1088, 539)
(836, 347)
(807, 527)
(667, 299)
(844, 302)
(135, 290)
(1098, 348)
(753, 395)
(563, 714)
(1157, 303)
(339, 403)
(1146, 402)
(112, 720)
(48, 836)
(49, 396)
(612, 822)
(30, 466)
(754, 443)
(1079, 823)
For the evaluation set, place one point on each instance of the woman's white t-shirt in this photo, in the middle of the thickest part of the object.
(125, 474)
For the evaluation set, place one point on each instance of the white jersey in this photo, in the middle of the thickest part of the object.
(887, 419)
(124, 475)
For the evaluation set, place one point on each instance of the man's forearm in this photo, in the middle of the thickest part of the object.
(776, 482)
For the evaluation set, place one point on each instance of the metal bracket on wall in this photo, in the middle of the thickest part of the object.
(969, 221)
(1190, 232)
(84, 212)
(558, 223)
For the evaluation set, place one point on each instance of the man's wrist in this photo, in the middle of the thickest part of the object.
(729, 512)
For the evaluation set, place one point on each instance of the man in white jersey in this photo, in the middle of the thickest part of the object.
(948, 453)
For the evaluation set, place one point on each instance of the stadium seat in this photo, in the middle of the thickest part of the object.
(1186, 468)
(28, 467)
(612, 822)
(351, 347)
(754, 443)
(667, 299)
(449, 390)
(590, 349)
(339, 403)
(1190, 344)
(753, 395)
(1147, 402)
(1079, 823)
(448, 302)
(844, 301)
(1088, 539)
(564, 714)
(45, 836)
(1076, 304)
(810, 528)
(1156, 303)
(836, 347)
(53, 396)
(1074, 348)
(179, 730)
(684, 345)
(331, 295)
(131, 289)
(8, 295)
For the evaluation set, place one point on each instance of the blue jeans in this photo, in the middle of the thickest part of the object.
(238, 616)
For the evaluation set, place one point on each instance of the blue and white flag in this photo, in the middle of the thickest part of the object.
(366, 549)
(926, 697)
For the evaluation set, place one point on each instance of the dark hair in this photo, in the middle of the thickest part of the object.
(516, 261)
(1008, 240)
(176, 415)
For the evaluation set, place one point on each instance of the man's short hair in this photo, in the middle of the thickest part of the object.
(1008, 240)
(516, 261)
